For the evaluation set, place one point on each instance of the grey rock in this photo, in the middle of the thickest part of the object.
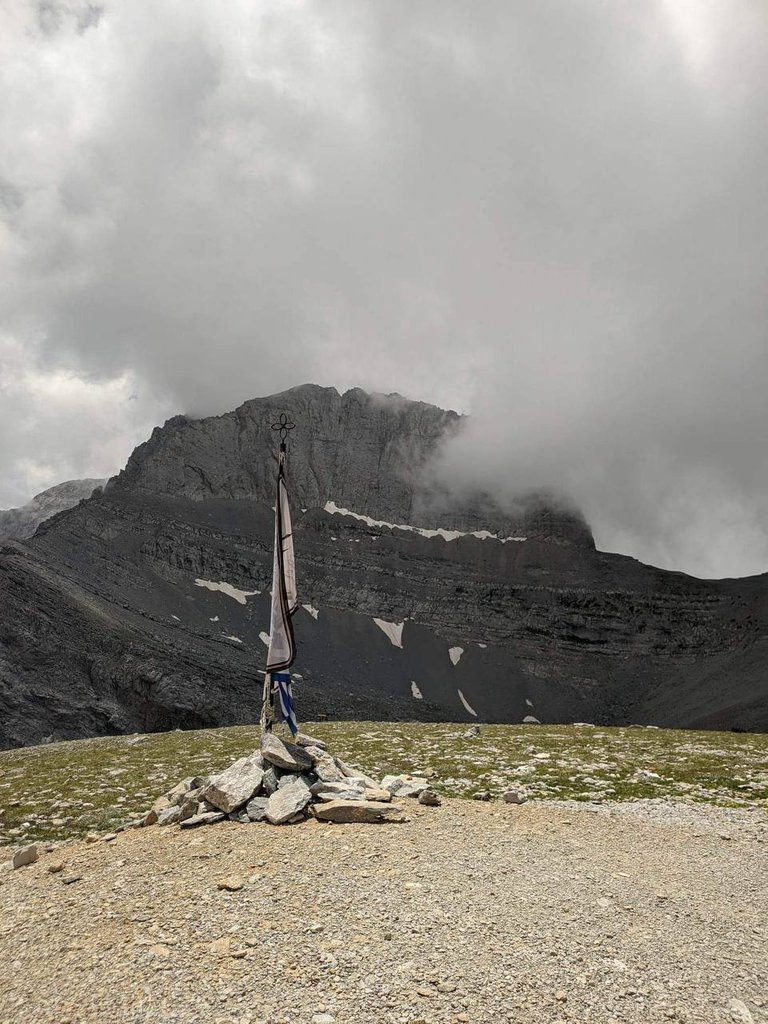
(345, 794)
(325, 766)
(346, 812)
(515, 796)
(332, 789)
(429, 798)
(302, 740)
(287, 756)
(531, 720)
(256, 809)
(271, 780)
(235, 786)
(207, 818)
(193, 806)
(354, 773)
(404, 785)
(28, 855)
(308, 778)
(287, 802)
(170, 815)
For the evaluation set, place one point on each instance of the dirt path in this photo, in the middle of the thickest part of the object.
(468, 912)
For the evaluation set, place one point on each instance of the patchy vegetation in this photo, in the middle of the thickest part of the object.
(65, 790)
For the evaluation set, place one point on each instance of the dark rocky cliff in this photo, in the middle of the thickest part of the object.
(146, 606)
(367, 453)
(20, 523)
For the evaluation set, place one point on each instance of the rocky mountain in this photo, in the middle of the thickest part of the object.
(146, 607)
(20, 523)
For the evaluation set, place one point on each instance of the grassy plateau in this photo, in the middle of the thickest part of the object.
(64, 790)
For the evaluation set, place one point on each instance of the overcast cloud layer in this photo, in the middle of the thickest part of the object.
(553, 215)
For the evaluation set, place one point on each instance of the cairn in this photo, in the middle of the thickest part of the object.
(283, 783)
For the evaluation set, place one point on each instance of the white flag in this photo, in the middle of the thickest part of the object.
(282, 646)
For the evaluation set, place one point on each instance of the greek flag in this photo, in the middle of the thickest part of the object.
(282, 644)
(282, 680)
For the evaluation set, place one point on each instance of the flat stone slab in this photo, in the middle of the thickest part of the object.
(288, 756)
(346, 812)
(344, 786)
(303, 740)
(236, 785)
(208, 818)
(353, 773)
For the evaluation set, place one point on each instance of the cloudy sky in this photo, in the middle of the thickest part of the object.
(552, 215)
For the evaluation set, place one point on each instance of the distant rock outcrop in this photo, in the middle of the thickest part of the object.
(20, 523)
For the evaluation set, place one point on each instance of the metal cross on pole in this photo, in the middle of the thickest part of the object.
(283, 425)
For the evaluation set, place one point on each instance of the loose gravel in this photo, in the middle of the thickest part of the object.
(468, 912)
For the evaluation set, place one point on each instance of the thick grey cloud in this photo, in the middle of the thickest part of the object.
(552, 215)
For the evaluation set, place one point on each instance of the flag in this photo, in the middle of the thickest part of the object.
(282, 681)
(282, 644)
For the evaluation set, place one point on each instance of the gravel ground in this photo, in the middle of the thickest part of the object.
(467, 912)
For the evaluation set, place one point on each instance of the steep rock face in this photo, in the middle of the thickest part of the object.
(20, 523)
(144, 609)
(366, 453)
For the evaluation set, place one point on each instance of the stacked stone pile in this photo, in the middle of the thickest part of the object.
(284, 783)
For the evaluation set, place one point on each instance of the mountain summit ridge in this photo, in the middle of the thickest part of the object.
(370, 453)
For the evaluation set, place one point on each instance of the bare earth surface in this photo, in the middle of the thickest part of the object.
(467, 912)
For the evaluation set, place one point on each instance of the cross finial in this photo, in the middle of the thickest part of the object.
(283, 425)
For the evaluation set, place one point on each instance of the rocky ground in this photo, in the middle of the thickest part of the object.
(468, 912)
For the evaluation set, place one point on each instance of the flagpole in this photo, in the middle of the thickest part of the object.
(282, 647)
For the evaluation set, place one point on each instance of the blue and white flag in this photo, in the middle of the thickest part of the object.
(282, 680)
(282, 644)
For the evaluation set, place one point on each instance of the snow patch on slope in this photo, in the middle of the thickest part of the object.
(394, 630)
(228, 589)
(334, 509)
(455, 653)
(416, 691)
(235, 638)
(312, 611)
(463, 700)
(264, 637)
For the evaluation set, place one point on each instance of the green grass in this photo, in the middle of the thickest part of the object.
(64, 790)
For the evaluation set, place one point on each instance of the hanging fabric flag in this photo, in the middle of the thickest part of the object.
(282, 644)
